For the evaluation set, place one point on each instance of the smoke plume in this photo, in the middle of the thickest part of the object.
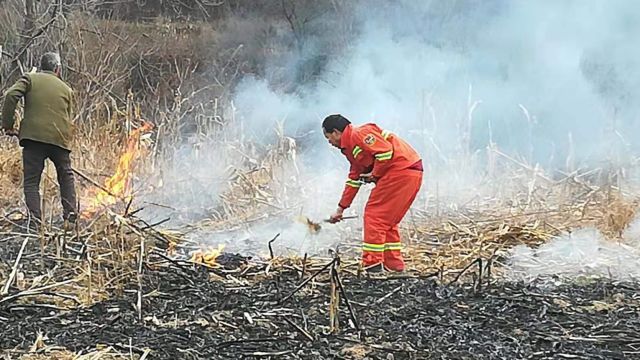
(554, 82)
(584, 252)
(550, 80)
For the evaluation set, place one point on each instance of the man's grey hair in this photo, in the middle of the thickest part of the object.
(50, 61)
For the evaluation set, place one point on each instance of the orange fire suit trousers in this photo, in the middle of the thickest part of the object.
(388, 203)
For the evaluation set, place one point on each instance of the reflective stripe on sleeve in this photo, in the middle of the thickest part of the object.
(354, 183)
(384, 156)
(356, 151)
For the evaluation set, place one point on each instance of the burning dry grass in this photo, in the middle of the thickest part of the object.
(119, 185)
(531, 214)
(108, 254)
(103, 253)
(112, 241)
(111, 253)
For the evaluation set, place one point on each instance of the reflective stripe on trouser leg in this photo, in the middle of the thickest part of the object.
(392, 246)
(374, 238)
(388, 203)
(374, 247)
(392, 255)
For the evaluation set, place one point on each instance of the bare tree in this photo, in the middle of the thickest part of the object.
(35, 12)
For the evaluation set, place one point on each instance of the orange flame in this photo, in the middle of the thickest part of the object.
(207, 257)
(119, 185)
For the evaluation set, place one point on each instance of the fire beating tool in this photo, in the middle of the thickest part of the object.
(315, 227)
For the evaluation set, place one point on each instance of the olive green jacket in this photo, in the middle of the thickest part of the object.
(48, 104)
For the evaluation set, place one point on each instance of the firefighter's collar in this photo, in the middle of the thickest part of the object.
(346, 135)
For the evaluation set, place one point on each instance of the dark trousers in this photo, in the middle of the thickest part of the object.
(33, 156)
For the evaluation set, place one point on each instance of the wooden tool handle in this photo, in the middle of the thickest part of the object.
(343, 218)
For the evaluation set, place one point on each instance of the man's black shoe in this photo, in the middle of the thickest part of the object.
(70, 221)
(28, 225)
(72, 217)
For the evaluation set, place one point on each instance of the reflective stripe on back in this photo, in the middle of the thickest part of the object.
(385, 134)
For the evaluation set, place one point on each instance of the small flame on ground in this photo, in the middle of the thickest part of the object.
(120, 183)
(207, 257)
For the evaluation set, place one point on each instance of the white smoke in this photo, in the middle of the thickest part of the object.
(295, 236)
(557, 82)
(585, 252)
(538, 72)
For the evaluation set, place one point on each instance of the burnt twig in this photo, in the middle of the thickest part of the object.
(352, 314)
(464, 270)
(302, 284)
(389, 294)
(300, 330)
(304, 266)
(128, 207)
(93, 182)
(478, 285)
(270, 248)
(149, 226)
(488, 269)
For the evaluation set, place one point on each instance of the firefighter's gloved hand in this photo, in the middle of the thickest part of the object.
(337, 217)
(368, 178)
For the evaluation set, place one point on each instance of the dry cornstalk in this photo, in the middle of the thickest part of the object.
(90, 276)
(14, 270)
(139, 278)
(42, 224)
(334, 302)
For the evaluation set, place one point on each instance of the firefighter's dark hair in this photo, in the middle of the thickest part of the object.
(335, 122)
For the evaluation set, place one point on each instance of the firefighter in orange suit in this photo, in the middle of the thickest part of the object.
(381, 157)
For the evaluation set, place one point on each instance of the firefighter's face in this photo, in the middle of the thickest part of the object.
(334, 137)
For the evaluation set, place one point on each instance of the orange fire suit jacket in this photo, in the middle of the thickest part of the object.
(372, 149)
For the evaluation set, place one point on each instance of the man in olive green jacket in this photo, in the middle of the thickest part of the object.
(45, 131)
